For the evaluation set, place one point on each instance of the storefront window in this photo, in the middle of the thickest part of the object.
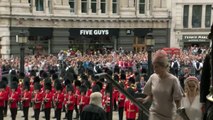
(208, 16)
(114, 6)
(142, 6)
(72, 6)
(93, 6)
(39, 5)
(103, 6)
(196, 16)
(185, 16)
(84, 6)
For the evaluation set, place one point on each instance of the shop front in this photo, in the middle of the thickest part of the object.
(91, 40)
(195, 40)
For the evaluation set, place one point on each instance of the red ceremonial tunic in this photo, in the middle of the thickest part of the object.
(130, 109)
(13, 99)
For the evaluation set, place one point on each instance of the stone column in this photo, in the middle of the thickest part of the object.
(89, 7)
(98, 7)
(78, 7)
(109, 7)
(5, 42)
(190, 16)
(203, 16)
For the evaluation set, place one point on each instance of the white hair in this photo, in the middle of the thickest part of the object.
(96, 99)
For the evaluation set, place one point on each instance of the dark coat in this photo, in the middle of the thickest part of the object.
(93, 112)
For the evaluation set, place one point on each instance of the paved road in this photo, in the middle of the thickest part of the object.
(20, 113)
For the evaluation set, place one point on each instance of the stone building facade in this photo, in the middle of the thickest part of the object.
(53, 25)
(191, 23)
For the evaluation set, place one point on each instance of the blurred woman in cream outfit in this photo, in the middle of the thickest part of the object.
(191, 101)
(163, 89)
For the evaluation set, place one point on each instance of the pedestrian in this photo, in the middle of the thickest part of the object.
(130, 108)
(70, 102)
(94, 111)
(13, 99)
(7, 90)
(163, 89)
(58, 101)
(47, 100)
(37, 100)
(191, 100)
(121, 100)
(26, 98)
(2, 99)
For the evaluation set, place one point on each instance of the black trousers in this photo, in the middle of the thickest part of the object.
(47, 113)
(5, 108)
(108, 115)
(115, 105)
(58, 114)
(13, 113)
(37, 113)
(120, 113)
(1, 112)
(69, 114)
(25, 111)
(76, 110)
(130, 119)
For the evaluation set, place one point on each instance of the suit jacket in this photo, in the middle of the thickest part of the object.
(93, 112)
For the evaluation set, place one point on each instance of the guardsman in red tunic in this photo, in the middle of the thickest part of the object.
(13, 100)
(83, 99)
(2, 99)
(37, 99)
(26, 99)
(69, 102)
(7, 91)
(77, 94)
(47, 100)
(107, 103)
(130, 108)
(58, 100)
(121, 100)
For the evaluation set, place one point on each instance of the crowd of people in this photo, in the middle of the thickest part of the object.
(67, 82)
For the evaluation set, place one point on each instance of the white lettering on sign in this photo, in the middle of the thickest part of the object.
(94, 32)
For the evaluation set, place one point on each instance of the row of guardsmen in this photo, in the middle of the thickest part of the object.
(50, 92)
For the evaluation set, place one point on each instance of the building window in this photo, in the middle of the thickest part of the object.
(93, 6)
(84, 6)
(103, 6)
(142, 6)
(114, 6)
(196, 16)
(208, 16)
(39, 5)
(72, 6)
(185, 16)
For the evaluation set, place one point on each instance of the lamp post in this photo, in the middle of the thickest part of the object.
(21, 38)
(150, 42)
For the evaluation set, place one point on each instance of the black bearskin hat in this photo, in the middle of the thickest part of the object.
(83, 89)
(131, 91)
(48, 86)
(32, 73)
(96, 88)
(27, 85)
(116, 77)
(5, 80)
(15, 79)
(21, 75)
(14, 85)
(54, 76)
(70, 87)
(36, 80)
(37, 86)
(59, 86)
(77, 83)
(2, 84)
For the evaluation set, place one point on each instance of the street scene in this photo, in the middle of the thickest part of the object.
(106, 60)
